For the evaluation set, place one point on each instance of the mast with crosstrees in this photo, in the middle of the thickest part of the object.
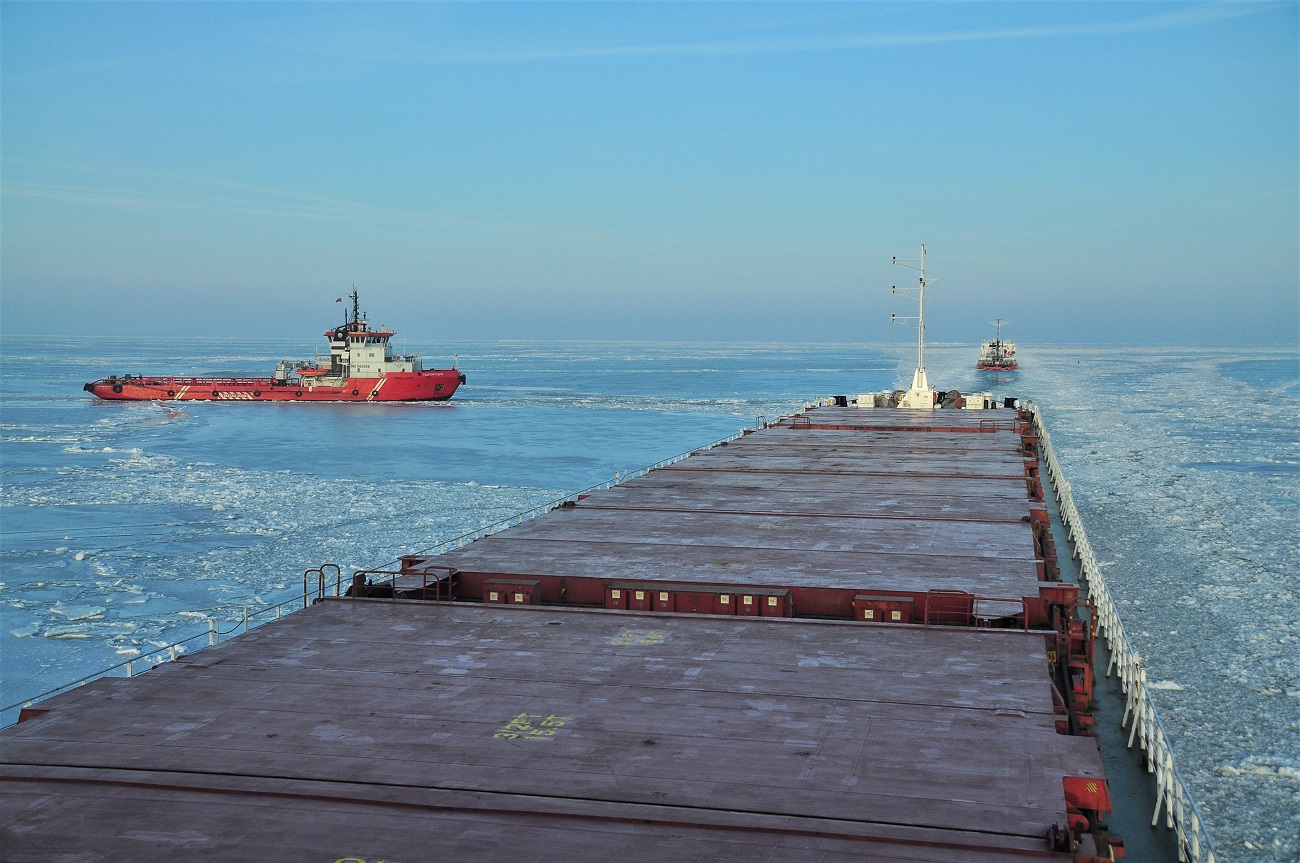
(920, 395)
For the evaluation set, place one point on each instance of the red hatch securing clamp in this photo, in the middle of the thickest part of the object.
(1086, 799)
(1059, 593)
(1073, 656)
(1087, 793)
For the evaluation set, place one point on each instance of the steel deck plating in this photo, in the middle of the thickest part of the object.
(748, 732)
(543, 714)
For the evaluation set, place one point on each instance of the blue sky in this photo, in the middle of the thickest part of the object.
(1091, 172)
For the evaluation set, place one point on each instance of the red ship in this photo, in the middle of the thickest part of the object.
(361, 368)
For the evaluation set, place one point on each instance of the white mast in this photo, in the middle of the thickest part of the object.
(921, 395)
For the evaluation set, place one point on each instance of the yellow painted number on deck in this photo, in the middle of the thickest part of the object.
(532, 726)
(639, 638)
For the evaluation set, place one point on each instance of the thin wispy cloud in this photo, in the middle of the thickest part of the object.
(260, 203)
(286, 207)
(233, 195)
(72, 70)
(1195, 16)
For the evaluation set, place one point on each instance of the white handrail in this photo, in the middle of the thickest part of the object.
(1172, 795)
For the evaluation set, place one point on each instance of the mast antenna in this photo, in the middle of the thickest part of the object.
(998, 323)
(356, 305)
(920, 395)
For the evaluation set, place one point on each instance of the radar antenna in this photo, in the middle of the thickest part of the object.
(998, 323)
(921, 395)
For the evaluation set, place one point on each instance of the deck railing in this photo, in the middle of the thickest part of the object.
(244, 618)
(1140, 717)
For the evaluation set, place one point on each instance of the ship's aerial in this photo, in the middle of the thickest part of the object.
(361, 367)
(997, 354)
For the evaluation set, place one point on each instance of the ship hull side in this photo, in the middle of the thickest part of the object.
(432, 385)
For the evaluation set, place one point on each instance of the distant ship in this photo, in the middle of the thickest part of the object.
(361, 368)
(997, 354)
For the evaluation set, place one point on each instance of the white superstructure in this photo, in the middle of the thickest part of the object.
(356, 351)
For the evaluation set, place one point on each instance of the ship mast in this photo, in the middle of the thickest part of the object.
(356, 305)
(920, 395)
(998, 339)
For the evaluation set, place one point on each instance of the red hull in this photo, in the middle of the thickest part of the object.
(431, 385)
(989, 367)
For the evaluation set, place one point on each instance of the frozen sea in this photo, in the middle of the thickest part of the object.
(123, 527)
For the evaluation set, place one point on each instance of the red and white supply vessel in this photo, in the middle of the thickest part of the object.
(999, 354)
(361, 368)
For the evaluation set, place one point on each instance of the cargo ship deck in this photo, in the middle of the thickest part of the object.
(840, 637)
